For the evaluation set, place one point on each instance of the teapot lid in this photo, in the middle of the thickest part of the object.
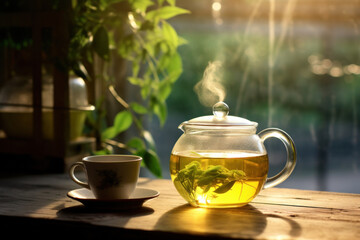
(220, 118)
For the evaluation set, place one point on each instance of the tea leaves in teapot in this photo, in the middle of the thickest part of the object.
(187, 176)
(225, 187)
(218, 177)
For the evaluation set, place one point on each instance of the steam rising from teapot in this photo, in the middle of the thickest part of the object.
(210, 89)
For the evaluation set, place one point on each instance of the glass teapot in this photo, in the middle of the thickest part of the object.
(221, 162)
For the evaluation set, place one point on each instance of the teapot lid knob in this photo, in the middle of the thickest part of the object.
(220, 110)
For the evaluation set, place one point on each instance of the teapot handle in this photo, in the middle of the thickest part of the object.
(291, 155)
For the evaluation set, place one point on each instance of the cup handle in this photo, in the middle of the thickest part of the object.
(291, 155)
(74, 178)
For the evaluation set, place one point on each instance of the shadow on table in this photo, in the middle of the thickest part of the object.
(245, 222)
(94, 223)
(77, 222)
(295, 228)
(80, 209)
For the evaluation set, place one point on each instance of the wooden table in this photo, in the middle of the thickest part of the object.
(38, 205)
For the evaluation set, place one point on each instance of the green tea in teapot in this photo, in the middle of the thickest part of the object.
(218, 179)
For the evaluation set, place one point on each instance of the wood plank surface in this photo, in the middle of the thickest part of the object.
(39, 205)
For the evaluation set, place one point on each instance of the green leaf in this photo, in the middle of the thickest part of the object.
(150, 48)
(165, 13)
(141, 5)
(100, 152)
(136, 143)
(160, 2)
(174, 75)
(170, 36)
(138, 108)
(152, 162)
(213, 170)
(171, 2)
(225, 187)
(160, 110)
(109, 133)
(164, 91)
(182, 41)
(207, 188)
(147, 25)
(135, 81)
(146, 87)
(103, 152)
(175, 67)
(135, 68)
(164, 61)
(100, 43)
(206, 180)
(123, 121)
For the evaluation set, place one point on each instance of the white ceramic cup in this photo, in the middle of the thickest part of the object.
(109, 176)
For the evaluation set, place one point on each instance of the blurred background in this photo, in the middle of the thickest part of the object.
(289, 64)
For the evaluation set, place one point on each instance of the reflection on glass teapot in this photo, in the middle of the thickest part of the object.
(221, 162)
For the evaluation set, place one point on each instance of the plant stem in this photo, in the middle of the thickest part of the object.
(119, 145)
(118, 98)
(127, 106)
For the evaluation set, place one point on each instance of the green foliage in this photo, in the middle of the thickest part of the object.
(152, 42)
(138, 31)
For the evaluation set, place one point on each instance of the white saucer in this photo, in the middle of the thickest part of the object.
(136, 200)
